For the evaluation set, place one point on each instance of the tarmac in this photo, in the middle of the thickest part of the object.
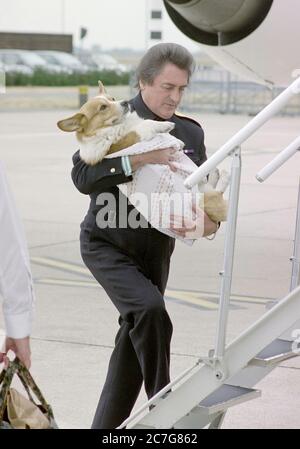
(75, 322)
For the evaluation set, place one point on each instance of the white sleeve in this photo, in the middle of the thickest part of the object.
(16, 286)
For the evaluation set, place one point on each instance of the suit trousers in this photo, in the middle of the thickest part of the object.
(133, 270)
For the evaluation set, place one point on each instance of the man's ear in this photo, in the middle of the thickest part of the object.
(102, 90)
(75, 123)
(141, 85)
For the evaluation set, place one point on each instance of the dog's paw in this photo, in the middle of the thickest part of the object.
(215, 206)
(224, 180)
(164, 127)
(213, 178)
(146, 130)
(150, 128)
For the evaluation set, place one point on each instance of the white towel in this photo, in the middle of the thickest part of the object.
(156, 189)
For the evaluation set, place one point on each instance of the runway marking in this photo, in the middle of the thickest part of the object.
(241, 298)
(202, 300)
(68, 283)
(184, 297)
(191, 298)
(61, 265)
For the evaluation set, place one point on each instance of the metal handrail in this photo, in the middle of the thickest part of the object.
(264, 174)
(230, 148)
(279, 160)
(262, 117)
(228, 257)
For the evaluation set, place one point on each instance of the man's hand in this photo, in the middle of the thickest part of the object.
(200, 226)
(21, 348)
(4, 359)
(164, 156)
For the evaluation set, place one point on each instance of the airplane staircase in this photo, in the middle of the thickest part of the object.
(200, 396)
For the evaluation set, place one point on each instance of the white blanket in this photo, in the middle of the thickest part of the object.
(156, 190)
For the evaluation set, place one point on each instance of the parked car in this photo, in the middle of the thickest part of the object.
(25, 61)
(85, 58)
(66, 61)
(18, 68)
(13, 64)
(108, 62)
(2, 71)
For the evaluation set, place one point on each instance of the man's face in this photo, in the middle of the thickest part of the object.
(163, 96)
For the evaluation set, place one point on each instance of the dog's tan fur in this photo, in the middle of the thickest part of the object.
(125, 142)
(105, 126)
(215, 206)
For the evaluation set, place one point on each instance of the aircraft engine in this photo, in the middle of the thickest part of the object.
(256, 39)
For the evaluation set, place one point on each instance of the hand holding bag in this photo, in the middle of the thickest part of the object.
(18, 412)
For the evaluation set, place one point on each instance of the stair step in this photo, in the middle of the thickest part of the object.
(226, 396)
(275, 352)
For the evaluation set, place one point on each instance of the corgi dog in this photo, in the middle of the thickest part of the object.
(104, 126)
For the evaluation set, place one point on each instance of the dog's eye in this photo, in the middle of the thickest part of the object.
(103, 107)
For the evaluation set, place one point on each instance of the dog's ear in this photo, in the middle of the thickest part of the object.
(75, 123)
(102, 90)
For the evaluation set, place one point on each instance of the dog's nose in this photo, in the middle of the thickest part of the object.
(125, 105)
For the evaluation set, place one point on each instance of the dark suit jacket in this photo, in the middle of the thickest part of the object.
(104, 177)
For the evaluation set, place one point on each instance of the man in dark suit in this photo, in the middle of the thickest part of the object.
(132, 265)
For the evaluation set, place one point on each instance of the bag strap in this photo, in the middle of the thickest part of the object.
(28, 382)
(2, 374)
(27, 389)
(6, 380)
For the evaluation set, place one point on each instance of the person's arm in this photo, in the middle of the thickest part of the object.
(199, 156)
(198, 226)
(201, 225)
(210, 227)
(16, 285)
(105, 174)
(109, 172)
(163, 156)
(21, 348)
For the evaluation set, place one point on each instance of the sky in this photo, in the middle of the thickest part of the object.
(110, 23)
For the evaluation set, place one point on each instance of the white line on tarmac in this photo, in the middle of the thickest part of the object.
(66, 282)
(207, 300)
(60, 265)
(192, 298)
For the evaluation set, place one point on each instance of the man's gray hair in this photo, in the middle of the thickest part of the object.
(158, 56)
